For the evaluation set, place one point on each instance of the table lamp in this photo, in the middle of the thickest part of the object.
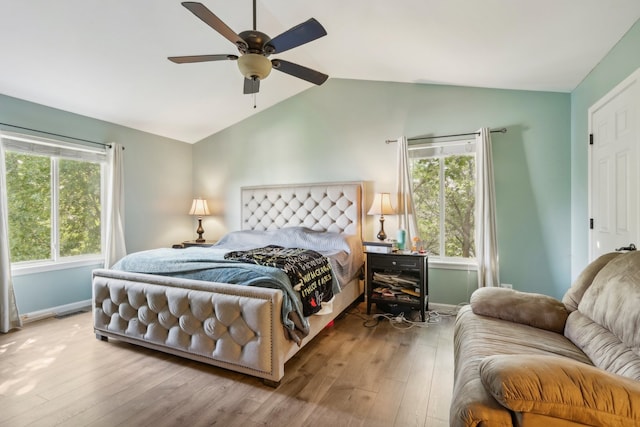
(199, 207)
(381, 206)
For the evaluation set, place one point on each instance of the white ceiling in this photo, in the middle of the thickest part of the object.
(107, 59)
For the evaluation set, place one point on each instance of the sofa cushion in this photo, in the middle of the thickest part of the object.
(562, 388)
(537, 310)
(573, 296)
(607, 324)
(478, 336)
(605, 350)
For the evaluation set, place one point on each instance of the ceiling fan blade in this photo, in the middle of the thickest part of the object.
(201, 58)
(251, 86)
(299, 71)
(296, 36)
(214, 22)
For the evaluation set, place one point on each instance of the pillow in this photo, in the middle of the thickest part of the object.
(562, 388)
(288, 237)
(537, 310)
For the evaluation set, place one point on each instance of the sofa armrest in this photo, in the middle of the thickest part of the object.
(537, 310)
(562, 388)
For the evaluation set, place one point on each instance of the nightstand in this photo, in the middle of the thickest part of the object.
(397, 279)
(188, 243)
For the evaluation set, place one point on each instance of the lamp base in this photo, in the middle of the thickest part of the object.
(200, 232)
(382, 236)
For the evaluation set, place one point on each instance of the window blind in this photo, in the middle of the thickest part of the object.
(437, 149)
(51, 148)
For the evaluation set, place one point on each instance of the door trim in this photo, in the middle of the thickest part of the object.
(613, 93)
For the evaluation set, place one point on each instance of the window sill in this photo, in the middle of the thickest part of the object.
(45, 266)
(453, 264)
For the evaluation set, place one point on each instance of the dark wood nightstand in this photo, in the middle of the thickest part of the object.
(188, 243)
(398, 279)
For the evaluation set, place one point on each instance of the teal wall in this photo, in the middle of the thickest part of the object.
(158, 184)
(41, 291)
(618, 64)
(337, 132)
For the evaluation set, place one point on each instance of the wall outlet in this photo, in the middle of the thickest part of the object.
(506, 285)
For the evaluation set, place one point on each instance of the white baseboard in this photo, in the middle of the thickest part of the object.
(55, 311)
(444, 308)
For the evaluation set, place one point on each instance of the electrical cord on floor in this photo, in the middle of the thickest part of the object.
(355, 311)
(399, 321)
(396, 321)
(370, 321)
(451, 313)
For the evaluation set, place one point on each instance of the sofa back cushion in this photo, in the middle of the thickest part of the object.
(573, 296)
(606, 324)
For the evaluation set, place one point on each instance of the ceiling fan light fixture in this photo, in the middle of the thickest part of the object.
(255, 46)
(253, 65)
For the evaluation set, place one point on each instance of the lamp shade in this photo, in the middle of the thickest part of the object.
(199, 207)
(254, 65)
(381, 205)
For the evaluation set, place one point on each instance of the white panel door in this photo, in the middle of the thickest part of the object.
(613, 168)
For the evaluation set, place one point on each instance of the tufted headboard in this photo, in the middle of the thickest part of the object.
(335, 207)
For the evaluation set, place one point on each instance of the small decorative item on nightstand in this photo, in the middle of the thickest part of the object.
(378, 247)
(401, 239)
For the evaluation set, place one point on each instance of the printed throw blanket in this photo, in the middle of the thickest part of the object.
(309, 272)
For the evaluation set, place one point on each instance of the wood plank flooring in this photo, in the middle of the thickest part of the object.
(55, 373)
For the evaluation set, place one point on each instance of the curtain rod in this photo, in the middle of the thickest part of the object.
(56, 134)
(418, 138)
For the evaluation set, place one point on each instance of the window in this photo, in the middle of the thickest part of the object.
(444, 196)
(54, 194)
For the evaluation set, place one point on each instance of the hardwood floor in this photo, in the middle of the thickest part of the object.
(55, 373)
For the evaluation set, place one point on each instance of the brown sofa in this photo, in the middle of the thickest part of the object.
(530, 360)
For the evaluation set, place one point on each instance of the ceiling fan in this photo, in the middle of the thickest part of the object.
(255, 48)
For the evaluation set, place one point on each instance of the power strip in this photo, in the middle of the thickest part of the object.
(397, 319)
(400, 322)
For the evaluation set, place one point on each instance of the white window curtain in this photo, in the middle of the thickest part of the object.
(115, 246)
(486, 241)
(404, 188)
(9, 317)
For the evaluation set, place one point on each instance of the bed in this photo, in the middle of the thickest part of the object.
(230, 326)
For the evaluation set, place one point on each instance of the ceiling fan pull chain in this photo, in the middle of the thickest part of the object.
(254, 100)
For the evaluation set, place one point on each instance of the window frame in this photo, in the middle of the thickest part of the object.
(440, 261)
(56, 150)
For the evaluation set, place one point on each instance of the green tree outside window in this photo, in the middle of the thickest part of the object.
(33, 205)
(80, 209)
(29, 200)
(444, 198)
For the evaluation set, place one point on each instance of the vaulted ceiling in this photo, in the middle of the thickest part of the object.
(108, 59)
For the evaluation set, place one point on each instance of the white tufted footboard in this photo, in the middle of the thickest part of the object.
(234, 327)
